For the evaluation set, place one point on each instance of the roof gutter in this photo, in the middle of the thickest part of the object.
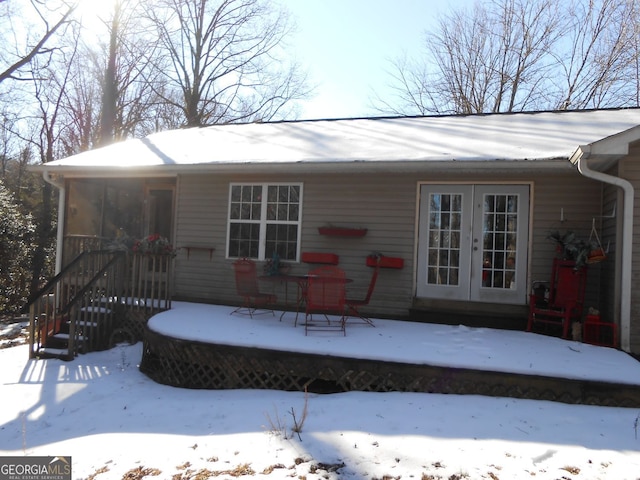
(580, 158)
(373, 166)
(61, 209)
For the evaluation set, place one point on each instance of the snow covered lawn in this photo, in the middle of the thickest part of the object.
(116, 423)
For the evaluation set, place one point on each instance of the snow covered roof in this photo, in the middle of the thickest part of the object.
(400, 141)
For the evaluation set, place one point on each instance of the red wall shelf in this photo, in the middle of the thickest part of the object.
(386, 262)
(316, 257)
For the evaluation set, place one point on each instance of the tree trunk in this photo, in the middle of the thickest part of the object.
(42, 239)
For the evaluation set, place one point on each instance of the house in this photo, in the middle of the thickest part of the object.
(467, 202)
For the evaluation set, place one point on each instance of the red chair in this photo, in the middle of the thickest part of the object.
(325, 295)
(353, 305)
(254, 302)
(566, 298)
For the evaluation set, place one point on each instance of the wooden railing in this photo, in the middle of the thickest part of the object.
(150, 284)
(74, 245)
(80, 308)
(75, 310)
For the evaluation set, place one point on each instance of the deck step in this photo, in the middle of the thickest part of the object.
(48, 352)
(65, 337)
(91, 324)
(93, 309)
(81, 323)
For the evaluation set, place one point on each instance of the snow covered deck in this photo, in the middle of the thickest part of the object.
(204, 346)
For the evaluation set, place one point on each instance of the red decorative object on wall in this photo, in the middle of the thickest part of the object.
(317, 257)
(386, 262)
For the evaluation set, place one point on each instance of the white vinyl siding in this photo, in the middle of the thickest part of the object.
(385, 204)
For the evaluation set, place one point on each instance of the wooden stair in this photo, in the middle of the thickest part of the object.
(76, 311)
(98, 297)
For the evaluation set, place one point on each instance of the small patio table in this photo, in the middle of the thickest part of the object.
(301, 281)
(286, 279)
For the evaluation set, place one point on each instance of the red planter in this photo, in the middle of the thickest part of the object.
(316, 257)
(342, 232)
(386, 262)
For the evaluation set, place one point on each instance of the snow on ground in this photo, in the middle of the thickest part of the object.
(117, 423)
(13, 332)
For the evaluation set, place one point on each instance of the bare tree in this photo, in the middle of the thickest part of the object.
(110, 96)
(7, 140)
(516, 55)
(413, 92)
(80, 106)
(119, 68)
(220, 60)
(527, 32)
(489, 59)
(594, 67)
(633, 64)
(47, 125)
(17, 54)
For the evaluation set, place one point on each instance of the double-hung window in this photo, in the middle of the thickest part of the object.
(264, 219)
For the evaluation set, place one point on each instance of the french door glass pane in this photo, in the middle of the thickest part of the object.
(443, 259)
(500, 215)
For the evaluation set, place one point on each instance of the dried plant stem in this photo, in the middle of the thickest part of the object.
(299, 423)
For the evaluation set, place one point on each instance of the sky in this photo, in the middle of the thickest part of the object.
(117, 423)
(346, 46)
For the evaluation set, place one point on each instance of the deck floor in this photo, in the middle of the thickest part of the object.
(199, 342)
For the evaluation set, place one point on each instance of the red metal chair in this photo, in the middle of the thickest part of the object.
(325, 295)
(254, 302)
(353, 305)
(565, 301)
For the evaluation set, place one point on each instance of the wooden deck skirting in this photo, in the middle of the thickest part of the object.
(193, 364)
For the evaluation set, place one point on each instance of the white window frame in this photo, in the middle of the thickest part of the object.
(263, 222)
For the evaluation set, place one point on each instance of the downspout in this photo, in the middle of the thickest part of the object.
(61, 209)
(580, 158)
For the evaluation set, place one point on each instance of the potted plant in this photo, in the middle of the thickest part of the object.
(570, 247)
(153, 244)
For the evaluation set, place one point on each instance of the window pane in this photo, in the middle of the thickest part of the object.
(295, 194)
(499, 240)
(433, 220)
(282, 239)
(445, 220)
(256, 210)
(282, 205)
(245, 211)
(243, 240)
(293, 213)
(234, 211)
(283, 194)
(283, 212)
(272, 194)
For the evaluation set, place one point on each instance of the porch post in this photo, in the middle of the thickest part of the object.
(61, 212)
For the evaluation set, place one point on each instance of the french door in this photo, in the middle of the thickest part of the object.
(473, 242)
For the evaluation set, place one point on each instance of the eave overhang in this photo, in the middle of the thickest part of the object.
(302, 167)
